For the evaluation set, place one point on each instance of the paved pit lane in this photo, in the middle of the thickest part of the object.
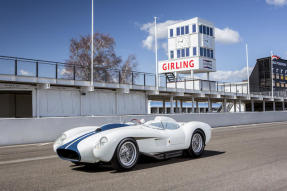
(249, 157)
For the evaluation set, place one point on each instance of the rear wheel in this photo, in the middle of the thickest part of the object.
(126, 155)
(197, 144)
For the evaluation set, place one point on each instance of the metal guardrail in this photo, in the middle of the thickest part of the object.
(57, 70)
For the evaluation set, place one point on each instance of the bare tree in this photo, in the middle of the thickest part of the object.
(127, 68)
(106, 62)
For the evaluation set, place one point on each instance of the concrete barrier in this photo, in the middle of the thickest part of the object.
(22, 131)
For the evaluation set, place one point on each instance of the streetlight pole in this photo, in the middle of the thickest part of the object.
(92, 47)
(155, 45)
(247, 65)
(271, 68)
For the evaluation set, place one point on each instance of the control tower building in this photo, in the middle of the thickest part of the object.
(191, 49)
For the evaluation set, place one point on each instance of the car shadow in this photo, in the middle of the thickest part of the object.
(143, 163)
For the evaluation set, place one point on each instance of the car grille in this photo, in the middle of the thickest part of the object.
(68, 154)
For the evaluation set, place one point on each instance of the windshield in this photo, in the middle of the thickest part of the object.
(162, 125)
(154, 124)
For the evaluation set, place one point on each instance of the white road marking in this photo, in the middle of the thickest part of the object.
(27, 159)
(26, 145)
(251, 125)
(43, 144)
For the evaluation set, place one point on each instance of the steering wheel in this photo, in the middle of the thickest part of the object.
(136, 121)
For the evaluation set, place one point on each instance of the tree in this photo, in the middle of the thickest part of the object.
(106, 63)
(127, 68)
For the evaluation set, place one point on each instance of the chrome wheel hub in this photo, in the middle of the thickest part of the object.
(128, 154)
(197, 142)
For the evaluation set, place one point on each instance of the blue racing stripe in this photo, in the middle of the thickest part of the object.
(73, 145)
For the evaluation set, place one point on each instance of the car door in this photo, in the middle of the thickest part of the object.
(175, 134)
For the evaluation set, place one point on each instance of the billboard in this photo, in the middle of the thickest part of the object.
(186, 64)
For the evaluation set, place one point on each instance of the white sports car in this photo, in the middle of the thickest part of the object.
(121, 144)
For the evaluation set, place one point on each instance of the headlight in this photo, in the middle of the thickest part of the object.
(103, 141)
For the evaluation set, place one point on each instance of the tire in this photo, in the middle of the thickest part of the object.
(126, 155)
(197, 144)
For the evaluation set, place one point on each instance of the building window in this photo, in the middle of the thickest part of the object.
(177, 31)
(211, 32)
(282, 85)
(171, 54)
(187, 29)
(207, 30)
(178, 53)
(200, 29)
(201, 51)
(194, 51)
(204, 52)
(183, 52)
(277, 76)
(171, 32)
(208, 53)
(211, 53)
(194, 28)
(182, 30)
(278, 84)
(204, 29)
(187, 52)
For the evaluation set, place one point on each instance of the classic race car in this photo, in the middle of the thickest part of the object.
(121, 144)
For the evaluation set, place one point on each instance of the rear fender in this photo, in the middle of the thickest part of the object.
(190, 127)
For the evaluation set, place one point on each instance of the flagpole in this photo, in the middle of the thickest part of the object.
(156, 60)
(248, 85)
(271, 68)
(92, 47)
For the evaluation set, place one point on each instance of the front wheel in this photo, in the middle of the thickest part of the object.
(197, 144)
(126, 155)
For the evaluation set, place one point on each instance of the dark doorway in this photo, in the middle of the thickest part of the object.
(16, 104)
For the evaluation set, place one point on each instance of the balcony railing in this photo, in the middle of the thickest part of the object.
(56, 70)
(64, 71)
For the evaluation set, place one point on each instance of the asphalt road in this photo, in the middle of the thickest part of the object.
(252, 157)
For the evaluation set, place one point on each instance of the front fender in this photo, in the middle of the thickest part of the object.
(105, 153)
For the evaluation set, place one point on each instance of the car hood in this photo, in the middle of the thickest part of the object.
(81, 133)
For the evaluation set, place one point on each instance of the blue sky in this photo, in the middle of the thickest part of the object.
(42, 29)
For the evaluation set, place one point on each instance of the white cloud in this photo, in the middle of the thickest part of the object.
(227, 76)
(227, 36)
(277, 2)
(165, 47)
(162, 32)
(25, 73)
(64, 71)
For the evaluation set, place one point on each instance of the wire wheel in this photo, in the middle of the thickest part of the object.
(128, 153)
(197, 143)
